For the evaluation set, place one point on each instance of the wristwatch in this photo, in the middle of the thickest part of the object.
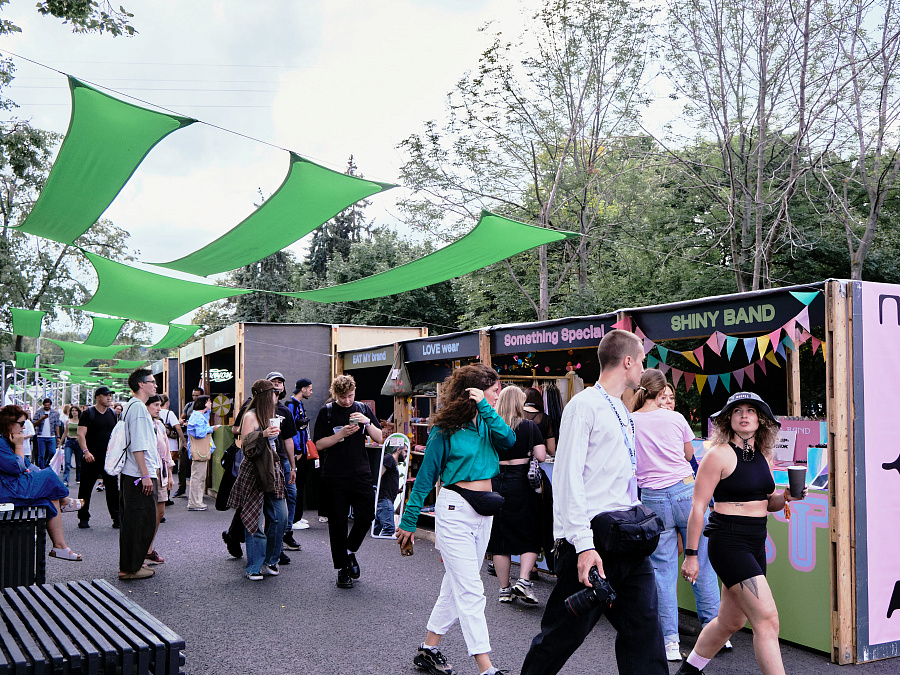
(690, 551)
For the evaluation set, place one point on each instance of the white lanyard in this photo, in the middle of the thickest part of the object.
(629, 441)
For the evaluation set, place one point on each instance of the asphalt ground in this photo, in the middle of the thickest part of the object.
(300, 622)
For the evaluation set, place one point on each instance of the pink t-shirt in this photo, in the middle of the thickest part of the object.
(659, 437)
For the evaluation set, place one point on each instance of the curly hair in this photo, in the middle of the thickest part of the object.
(456, 408)
(653, 382)
(766, 434)
(8, 415)
(342, 385)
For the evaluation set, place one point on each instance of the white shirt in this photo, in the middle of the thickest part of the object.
(141, 438)
(593, 467)
(27, 434)
(170, 417)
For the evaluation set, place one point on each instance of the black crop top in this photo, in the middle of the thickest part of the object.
(527, 436)
(749, 482)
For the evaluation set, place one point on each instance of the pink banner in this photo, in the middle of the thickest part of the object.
(881, 490)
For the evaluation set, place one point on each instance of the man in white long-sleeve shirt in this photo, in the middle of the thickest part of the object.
(594, 473)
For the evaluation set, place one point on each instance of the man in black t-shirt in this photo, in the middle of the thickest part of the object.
(387, 492)
(95, 426)
(340, 437)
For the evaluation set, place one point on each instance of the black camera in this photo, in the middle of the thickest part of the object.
(600, 595)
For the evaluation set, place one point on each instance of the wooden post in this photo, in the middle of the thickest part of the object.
(484, 347)
(839, 370)
(238, 370)
(793, 382)
(401, 409)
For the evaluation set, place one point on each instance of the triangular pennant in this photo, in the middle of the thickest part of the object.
(722, 338)
(725, 379)
(701, 381)
(774, 359)
(787, 342)
(739, 377)
(790, 329)
(804, 336)
(750, 372)
(676, 376)
(763, 343)
(713, 343)
(690, 357)
(774, 337)
(688, 381)
(663, 353)
(651, 362)
(730, 345)
(699, 354)
(815, 343)
(780, 350)
(639, 332)
(713, 381)
(623, 324)
(750, 347)
(803, 318)
(648, 345)
(663, 368)
(761, 364)
(805, 298)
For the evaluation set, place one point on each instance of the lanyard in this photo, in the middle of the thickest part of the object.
(629, 441)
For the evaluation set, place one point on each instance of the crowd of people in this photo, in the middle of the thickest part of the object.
(628, 497)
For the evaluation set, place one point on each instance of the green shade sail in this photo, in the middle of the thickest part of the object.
(309, 196)
(493, 239)
(121, 364)
(104, 331)
(25, 360)
(145, 296)
(106, 141)
(27, 322)
(115, 376)
(78, 353)
(176, 336)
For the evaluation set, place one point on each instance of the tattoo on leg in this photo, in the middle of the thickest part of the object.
(750, 584)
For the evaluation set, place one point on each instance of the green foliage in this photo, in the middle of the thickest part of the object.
(272, 273)
(89, 16)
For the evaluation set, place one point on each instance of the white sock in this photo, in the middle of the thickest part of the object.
(429, 647)
(697, 661)
(490, 671)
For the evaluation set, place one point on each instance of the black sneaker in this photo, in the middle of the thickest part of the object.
(180, 493)
(688, 669)
(432, 661)
(234, 547)
(290, 543)
(353, 566)
(116, 525)
(84, 525)
(284, 560)
(344, 579)
(491, 569)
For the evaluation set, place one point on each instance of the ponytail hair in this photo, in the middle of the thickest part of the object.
(653, 383)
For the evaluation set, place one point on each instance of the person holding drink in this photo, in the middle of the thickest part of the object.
(737, 472)
(462, 450)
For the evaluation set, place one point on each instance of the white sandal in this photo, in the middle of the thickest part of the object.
(65, 554)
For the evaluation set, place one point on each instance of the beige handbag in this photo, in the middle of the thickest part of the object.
(201, 449)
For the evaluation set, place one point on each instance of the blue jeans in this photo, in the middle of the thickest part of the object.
(72, 448)
(673, 505)
(265, 545)
(45, 448)
(384, 517)
(290, 495)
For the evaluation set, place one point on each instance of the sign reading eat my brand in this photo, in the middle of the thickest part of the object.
(369, 358)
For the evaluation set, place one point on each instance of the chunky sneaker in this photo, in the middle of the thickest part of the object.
(688, 669)
(255, 577)
(727, 647)
(432, 661)
(353, 566)
(673, 653)
(290, 543)
(506, 594)
(344, 580)
(524, 590)
(233, 546)
(269, 570)
(284, 560)
(491, 569)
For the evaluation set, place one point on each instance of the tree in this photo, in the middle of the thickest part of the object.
(272, 273)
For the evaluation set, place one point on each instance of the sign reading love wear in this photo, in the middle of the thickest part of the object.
(457, 346)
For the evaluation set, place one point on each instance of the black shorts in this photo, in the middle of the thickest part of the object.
(737, 547)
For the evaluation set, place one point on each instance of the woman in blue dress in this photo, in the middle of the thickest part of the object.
(25, 485)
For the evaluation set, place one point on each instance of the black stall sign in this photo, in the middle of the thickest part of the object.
(457, 347)
(752, 315)
(369, 358)
(582, 333)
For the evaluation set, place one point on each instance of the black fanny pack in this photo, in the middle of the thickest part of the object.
(633, 533)
(484, 503)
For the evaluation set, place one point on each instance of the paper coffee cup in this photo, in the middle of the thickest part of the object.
(275, 422)
(797, 480)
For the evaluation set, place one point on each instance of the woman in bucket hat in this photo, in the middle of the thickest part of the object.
(736, 471)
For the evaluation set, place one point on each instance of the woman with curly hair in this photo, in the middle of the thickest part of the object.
(461, 450)
(737, 472)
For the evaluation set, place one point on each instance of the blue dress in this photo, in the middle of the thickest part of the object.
(24, 485)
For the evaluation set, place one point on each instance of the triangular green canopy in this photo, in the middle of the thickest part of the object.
(27, 322)
(145, 296)
(25, 360)
(309, 196)
(493, 239)
(115, 376)
(176, 336)
(104, 331)
(78, 353)
(122, 364)
(106, 142)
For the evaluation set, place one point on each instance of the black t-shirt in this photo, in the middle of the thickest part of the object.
(288, 428)
(390, 479)
(527, 436)
(348, 457)
(99, 428)
(543, 422)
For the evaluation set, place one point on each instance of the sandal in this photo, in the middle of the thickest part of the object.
(65, 554)
(71, 505)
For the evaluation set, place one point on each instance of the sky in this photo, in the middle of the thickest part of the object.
(324, 79)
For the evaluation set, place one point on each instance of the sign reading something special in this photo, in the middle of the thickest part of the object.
(580, 333)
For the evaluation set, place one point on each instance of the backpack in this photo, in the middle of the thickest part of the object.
(170, 429)
(118, 446)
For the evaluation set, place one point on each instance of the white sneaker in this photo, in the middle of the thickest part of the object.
(728, 646)
(300, 525)
(323, 519)
(304, 521)
(672, 652)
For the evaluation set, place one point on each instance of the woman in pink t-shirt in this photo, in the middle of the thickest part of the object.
(666, 479)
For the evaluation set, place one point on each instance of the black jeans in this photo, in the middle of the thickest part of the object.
(184, 469)
(344, 492)
(138, 523)
(302, 471)
(90, 472)
(634, 615)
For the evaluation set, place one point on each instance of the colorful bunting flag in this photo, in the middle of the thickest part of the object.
(780, 350)
(815, 344)
(676, 376)
(713, 343)
(688, 380)
(762, 366)
(730, 345)
(713, 381)
(663, 353)
(699, 354)
(803, 318)
(725, 379)
(701, 381)
(739, 377)
(652, 361)
(663, 368)
(648, 345)
(750, 347)
(623, 324)
(805, 298)
(763, 343)
(787, 342)
(639, 332)
(774, 337)
(690, 357)
(749, 371)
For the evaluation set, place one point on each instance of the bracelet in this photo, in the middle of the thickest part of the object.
(690, 551)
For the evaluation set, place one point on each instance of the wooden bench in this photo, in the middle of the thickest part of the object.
(83, 627)
(23, 538)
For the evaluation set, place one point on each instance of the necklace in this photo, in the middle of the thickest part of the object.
(747, 449)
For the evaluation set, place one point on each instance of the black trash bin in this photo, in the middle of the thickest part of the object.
(23, 538)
